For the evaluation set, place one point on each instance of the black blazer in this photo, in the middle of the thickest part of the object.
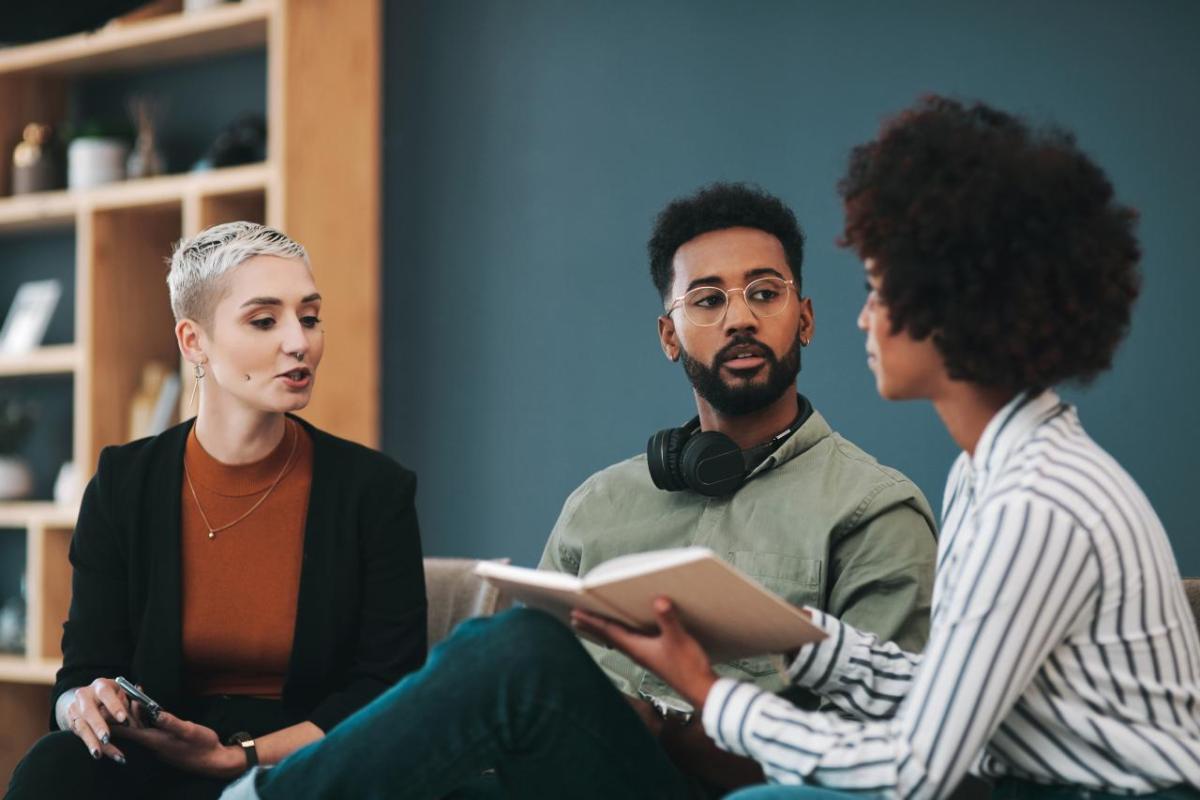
(360, 617)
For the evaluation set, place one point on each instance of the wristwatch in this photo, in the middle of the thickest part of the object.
(244, 740)
(670, 709)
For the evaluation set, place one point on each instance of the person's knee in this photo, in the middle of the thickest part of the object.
(53, 759)
(517, 631)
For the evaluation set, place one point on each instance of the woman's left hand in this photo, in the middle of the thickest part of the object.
(672, 654)
(188, 746)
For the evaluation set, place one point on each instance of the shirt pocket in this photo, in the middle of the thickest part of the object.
(797, 580)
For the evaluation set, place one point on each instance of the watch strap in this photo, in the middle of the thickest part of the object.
(246, 742)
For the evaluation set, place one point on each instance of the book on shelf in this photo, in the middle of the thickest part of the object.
(729, 613)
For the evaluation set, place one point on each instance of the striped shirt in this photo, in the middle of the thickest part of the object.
(1062, 649)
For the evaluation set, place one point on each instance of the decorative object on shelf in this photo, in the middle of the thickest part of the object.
(97, 156)
(154, 403)
(16, 421)
(66, 484)
(26, 323)
(145, 160)
(36, 165)
(12, 622)
(243, 142)
(192, 6)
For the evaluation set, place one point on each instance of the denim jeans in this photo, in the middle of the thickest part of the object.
(515, 693)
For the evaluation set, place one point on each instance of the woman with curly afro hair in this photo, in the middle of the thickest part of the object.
(1063, 660)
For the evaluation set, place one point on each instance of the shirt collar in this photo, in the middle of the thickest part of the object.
(814, 429)
(1011, 426)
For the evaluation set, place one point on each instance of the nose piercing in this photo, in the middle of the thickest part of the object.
(299, 356)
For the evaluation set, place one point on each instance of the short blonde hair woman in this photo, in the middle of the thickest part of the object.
(260, 579)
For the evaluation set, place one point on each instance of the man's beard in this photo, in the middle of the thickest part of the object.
(745, 397)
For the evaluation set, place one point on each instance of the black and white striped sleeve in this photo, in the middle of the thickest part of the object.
(853, 670)
(1028, 572)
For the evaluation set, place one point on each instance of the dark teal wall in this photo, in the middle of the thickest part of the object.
(529, 145)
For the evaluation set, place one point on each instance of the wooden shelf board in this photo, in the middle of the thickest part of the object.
(50, 360)
(26, 212)
(171, 189)
(19, 669)
(37, 211)
(172, 38)
(47, 514)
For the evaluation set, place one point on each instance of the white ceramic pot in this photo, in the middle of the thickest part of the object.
(16, 479)
(94, 161)
(192, 6)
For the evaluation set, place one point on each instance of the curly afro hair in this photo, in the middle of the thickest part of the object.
(716, 207)
(1003, 243)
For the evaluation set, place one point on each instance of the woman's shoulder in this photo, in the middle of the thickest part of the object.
(148, 453)
(355, 460)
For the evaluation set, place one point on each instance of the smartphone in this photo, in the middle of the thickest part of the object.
(148, 703)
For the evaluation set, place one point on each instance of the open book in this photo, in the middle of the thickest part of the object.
(730, 614)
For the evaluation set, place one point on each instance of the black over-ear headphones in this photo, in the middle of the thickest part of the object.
(708, 462)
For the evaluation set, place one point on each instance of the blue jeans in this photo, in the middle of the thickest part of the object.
(515, 693)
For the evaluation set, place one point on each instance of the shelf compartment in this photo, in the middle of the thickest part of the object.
(126, 46)
(127, 248)
(57, 359)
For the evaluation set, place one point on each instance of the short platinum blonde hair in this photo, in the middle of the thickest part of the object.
(198, 264)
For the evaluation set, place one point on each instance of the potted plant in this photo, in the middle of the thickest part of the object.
(16, 421)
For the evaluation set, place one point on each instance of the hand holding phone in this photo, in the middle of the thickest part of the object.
(149, 704)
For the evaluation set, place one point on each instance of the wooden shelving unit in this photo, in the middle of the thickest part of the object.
(320, 184)
(58, 359)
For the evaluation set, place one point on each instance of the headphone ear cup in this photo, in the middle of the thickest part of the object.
(662, 457)
(712, 464)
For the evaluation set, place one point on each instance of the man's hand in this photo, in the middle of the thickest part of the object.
(672, 654)
(188, 746)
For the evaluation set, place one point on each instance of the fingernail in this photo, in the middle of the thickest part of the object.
(120, 716)
(96, 754)
(104, 739)
(120, 759)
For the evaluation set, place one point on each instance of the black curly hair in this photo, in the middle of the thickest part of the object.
(1003, 243)
(716, 207)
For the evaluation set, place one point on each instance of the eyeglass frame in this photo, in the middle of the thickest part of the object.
(791, 284)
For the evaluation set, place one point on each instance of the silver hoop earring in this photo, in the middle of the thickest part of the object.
(198, 373)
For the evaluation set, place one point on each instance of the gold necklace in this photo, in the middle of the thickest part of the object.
(212, 532)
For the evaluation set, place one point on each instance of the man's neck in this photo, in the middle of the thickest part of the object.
(237, 435)
(967, 408)
(753, 429)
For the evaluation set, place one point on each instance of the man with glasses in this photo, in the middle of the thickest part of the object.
(808, 514)
(816, 520)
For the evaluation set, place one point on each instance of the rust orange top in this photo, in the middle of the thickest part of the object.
(240, 588)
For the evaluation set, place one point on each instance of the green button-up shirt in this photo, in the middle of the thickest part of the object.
(820, 523)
